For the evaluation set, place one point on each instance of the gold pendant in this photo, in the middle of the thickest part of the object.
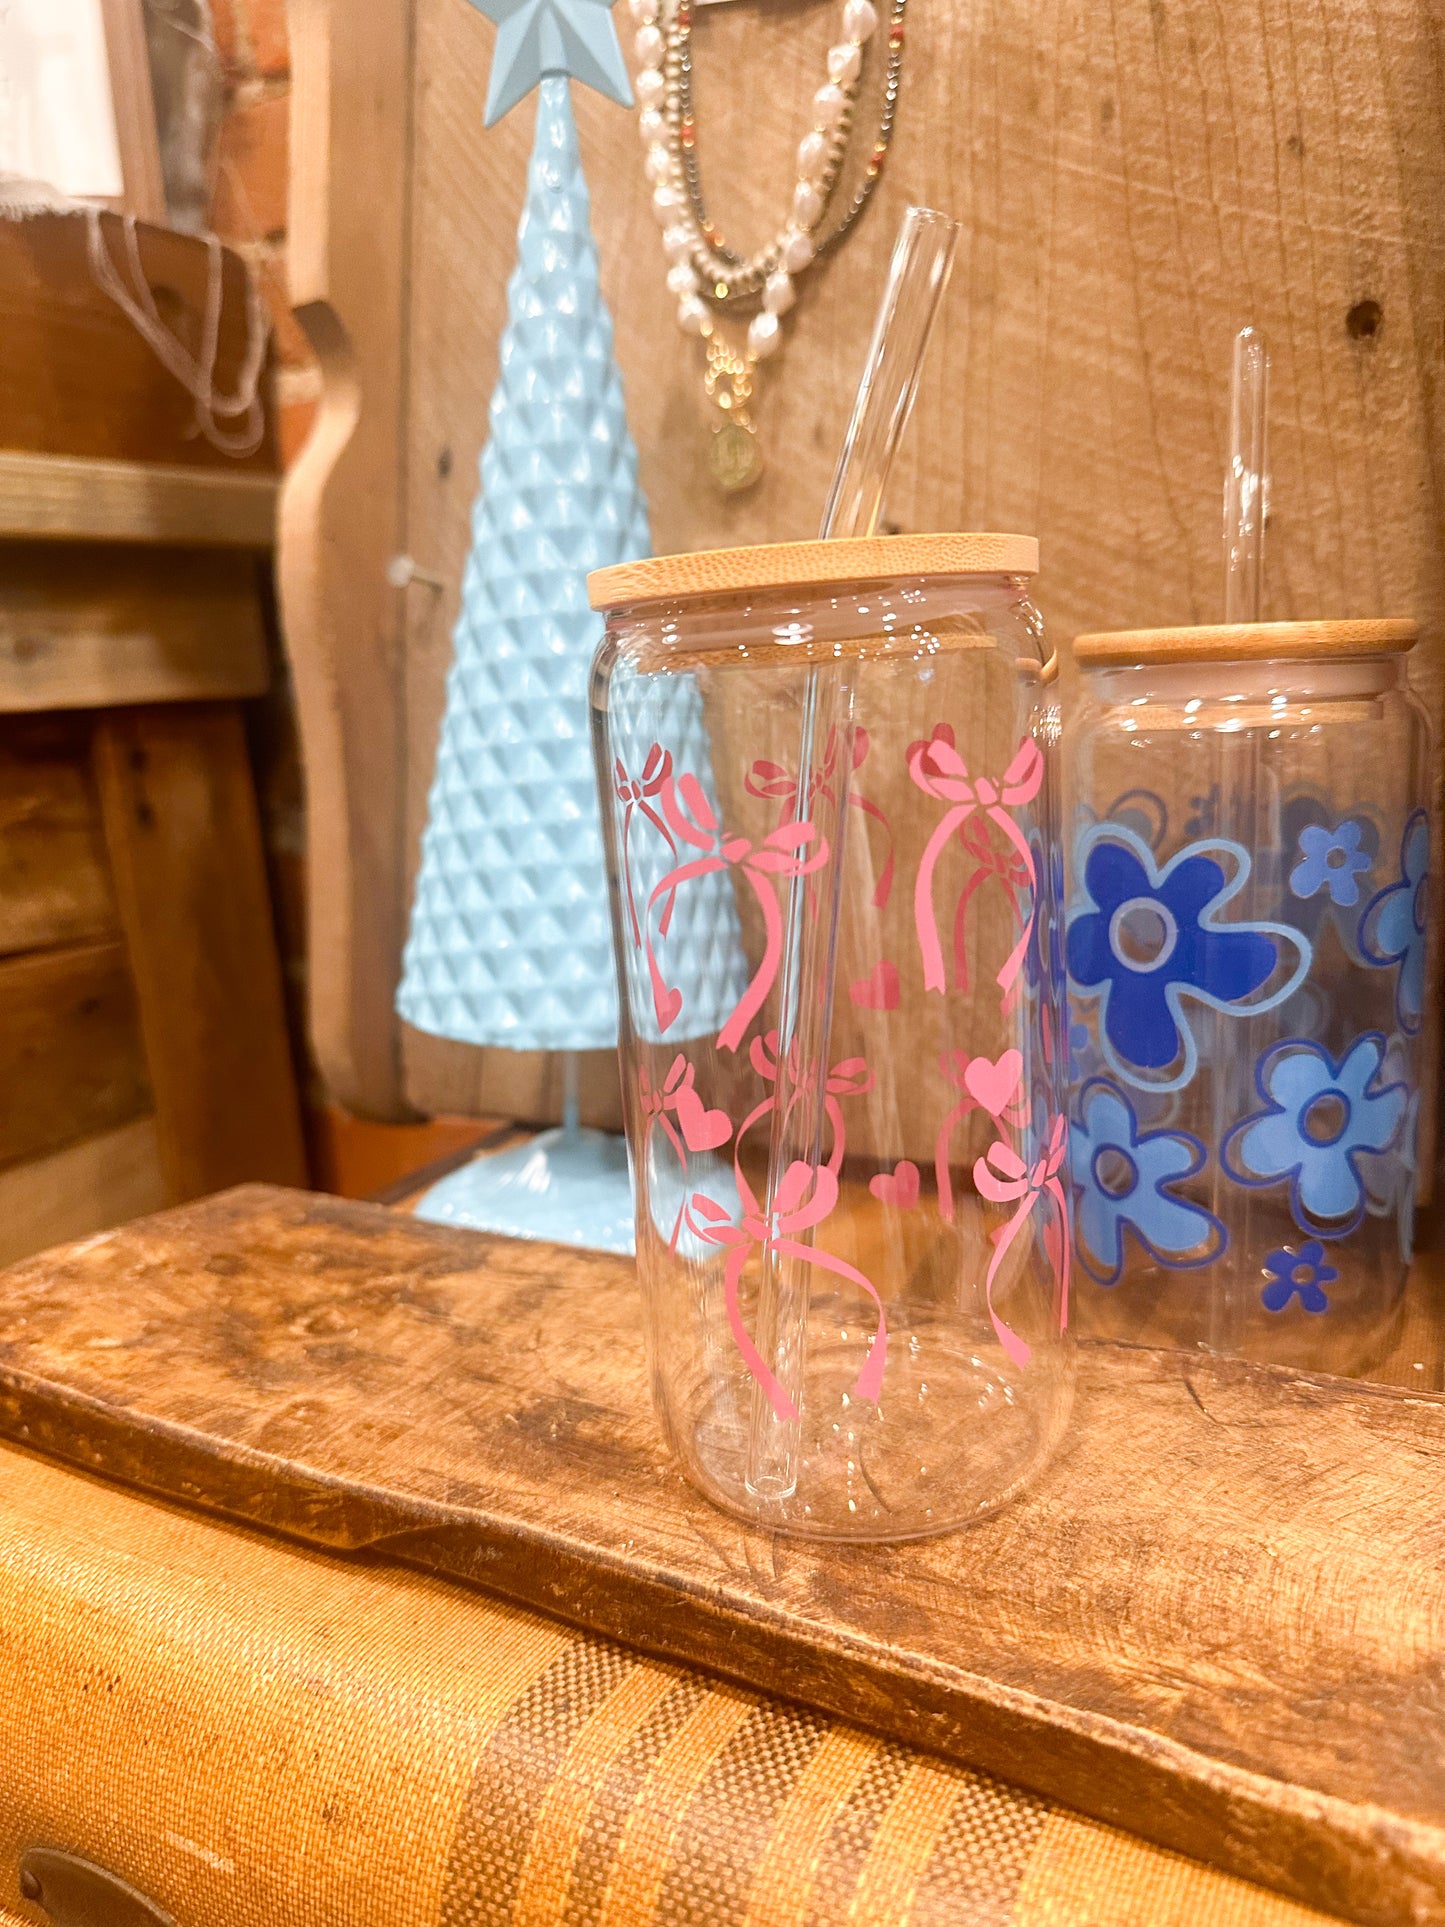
(734, 458)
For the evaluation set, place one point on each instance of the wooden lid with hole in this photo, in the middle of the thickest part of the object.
(1246, 642)
(786, 565)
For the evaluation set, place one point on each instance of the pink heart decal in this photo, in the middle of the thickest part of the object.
(702, 1130)
(898, 1188)
(879, 991)
(668, 1004)
(992, 1085)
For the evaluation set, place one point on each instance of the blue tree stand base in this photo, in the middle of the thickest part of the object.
(569, 1186)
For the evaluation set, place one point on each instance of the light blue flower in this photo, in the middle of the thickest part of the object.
(1394, 928)
(1147, 937)
(1332, 860)
(1123, 1176)
(1320, 1118)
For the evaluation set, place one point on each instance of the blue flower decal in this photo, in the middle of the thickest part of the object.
(1147, 938)
(1320, 1118)
(1393, 929)
(1332, 860)
(1302, 1274)
(1123, 1176)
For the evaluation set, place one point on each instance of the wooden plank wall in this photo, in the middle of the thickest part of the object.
(1136, 183)
(144, 1056)
(143, 1050)
(77, 1137)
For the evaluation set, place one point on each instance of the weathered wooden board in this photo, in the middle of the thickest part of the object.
(1219, 1620)
(343, 619)
(79, 379)
(53, 884)
(179, 808)
(89, 1186)
(71, 1061)
(69, 498)
(93, 625)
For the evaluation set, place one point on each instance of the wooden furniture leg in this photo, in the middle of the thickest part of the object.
(181, 825)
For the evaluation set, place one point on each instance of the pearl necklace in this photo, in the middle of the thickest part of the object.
(703, 268)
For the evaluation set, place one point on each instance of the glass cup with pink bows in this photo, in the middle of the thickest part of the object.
(838, 934)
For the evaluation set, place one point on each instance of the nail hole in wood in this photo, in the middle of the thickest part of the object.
(1363, 320)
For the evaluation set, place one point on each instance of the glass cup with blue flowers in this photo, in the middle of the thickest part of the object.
(1246, 941)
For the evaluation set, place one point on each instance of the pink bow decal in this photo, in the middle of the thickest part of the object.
(849, 1077)
(702, 1129)
(767, 779)
(637, 793)
(986, 1086)
(1002, 1176)
(793, 850)
(939, 771)
(992, 862)
(794, 1211)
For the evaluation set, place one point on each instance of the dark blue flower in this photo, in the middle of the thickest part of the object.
(1320, 1118)
(1148, 938)
(1394, 928)
(1124, 1177)
(1302, 1274)
(1330, 859)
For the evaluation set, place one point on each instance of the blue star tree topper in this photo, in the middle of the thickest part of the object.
(540, 37)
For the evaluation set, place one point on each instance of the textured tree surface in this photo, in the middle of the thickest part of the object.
(1217, 1621)
(511, 939)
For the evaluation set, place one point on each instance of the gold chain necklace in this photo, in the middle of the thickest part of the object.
(705, 274)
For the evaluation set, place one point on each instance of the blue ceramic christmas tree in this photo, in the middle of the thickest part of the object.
(510, 941)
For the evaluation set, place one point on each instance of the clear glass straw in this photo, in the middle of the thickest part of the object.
(917, 278)
(1246, 482)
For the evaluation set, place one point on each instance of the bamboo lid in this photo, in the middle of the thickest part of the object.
(1246, 642)
(785, 565)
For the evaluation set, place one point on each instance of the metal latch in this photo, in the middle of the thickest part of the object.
(76, 1894)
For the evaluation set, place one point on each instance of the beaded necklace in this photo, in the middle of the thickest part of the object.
(705, 273)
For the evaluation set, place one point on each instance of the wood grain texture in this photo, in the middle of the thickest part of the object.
(78, 380)
(94, 625)
(71, 1061)
(54, 885)
(179, 809)
(1218, 1620)
(1135, 182)
(779, 565)
(341, 525)
(72, 498)
(1248, 642)
(87, 1187)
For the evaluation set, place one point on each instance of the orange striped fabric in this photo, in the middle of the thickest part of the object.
(252, 1733)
